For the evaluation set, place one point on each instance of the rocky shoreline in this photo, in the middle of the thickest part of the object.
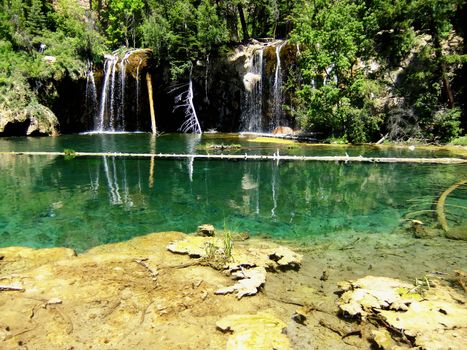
(139, 294)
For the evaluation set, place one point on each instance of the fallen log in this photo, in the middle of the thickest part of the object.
(441, 203)
(253, 157)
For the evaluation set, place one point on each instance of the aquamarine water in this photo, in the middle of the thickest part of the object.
(188, 143)
(83, 202)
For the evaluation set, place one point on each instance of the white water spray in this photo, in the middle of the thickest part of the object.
(105, 87)
(252, 116)
(277, 104)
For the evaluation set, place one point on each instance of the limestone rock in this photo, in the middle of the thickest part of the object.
(275, 258)
(283, 130)
(247, 265)
(427, 317)
(368, 293)
(21, 258)
(249, 282)
(193, 246)
(206, 230)
(456, 338)
(284, 257)
(32, 119)
(262, 331)
(382, 338)
(250, 80)
(437, 318)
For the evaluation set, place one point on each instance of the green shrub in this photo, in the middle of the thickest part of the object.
(459, 141)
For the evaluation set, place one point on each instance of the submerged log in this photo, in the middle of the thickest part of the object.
(441, 203)
(253, 157)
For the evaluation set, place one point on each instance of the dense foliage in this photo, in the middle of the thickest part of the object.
(365, 68)
(40, 45)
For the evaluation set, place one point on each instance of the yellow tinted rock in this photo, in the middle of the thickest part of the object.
(262, 331)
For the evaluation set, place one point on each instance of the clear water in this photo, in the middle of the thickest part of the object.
(84, 202)
(183, 143)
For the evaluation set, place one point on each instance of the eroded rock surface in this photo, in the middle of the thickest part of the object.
(132, 294)
(434, 316)
(247, 265)
(262, 331)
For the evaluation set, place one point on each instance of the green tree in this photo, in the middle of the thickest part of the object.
(121, 19)
(333, 96)
(211, 30)
(36, 18)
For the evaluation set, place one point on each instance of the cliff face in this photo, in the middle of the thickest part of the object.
(32, 120)
(244, 89)
(224, 98)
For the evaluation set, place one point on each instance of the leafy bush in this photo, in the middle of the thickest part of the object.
(459, 141)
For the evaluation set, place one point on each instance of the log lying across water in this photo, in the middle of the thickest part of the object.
(274, 157)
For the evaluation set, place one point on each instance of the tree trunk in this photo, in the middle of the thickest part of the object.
(444, 74)
(243, 22)
(447, 85)
(151, 103)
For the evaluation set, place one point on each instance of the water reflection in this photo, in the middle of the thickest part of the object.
(180, 143)
(83, 202)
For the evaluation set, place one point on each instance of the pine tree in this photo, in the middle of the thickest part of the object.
(36, 17)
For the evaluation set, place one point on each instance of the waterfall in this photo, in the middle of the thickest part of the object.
(277, 103)
(111, 116)
(91, 93)
(121, 104)
(112, 96)
(252, 116)
(137, 93)
(259, 115)
(99, 126)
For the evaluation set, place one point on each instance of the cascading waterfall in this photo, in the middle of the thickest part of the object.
(121, 105)
(112, 96)
(252, 116)
(91, 92)
(259, 115)
(111, 116)
(99, 126)
(138, 78)
(277, 102)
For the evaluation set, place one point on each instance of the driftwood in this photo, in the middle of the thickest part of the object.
(381, 140)
(275, 157)
(441, 202)
(15, 287)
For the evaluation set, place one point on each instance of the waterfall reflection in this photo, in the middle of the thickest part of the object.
(192, 141)
(49, 201)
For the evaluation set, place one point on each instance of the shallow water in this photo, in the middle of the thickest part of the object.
(84, 202)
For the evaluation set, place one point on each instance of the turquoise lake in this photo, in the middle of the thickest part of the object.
(87, 201)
